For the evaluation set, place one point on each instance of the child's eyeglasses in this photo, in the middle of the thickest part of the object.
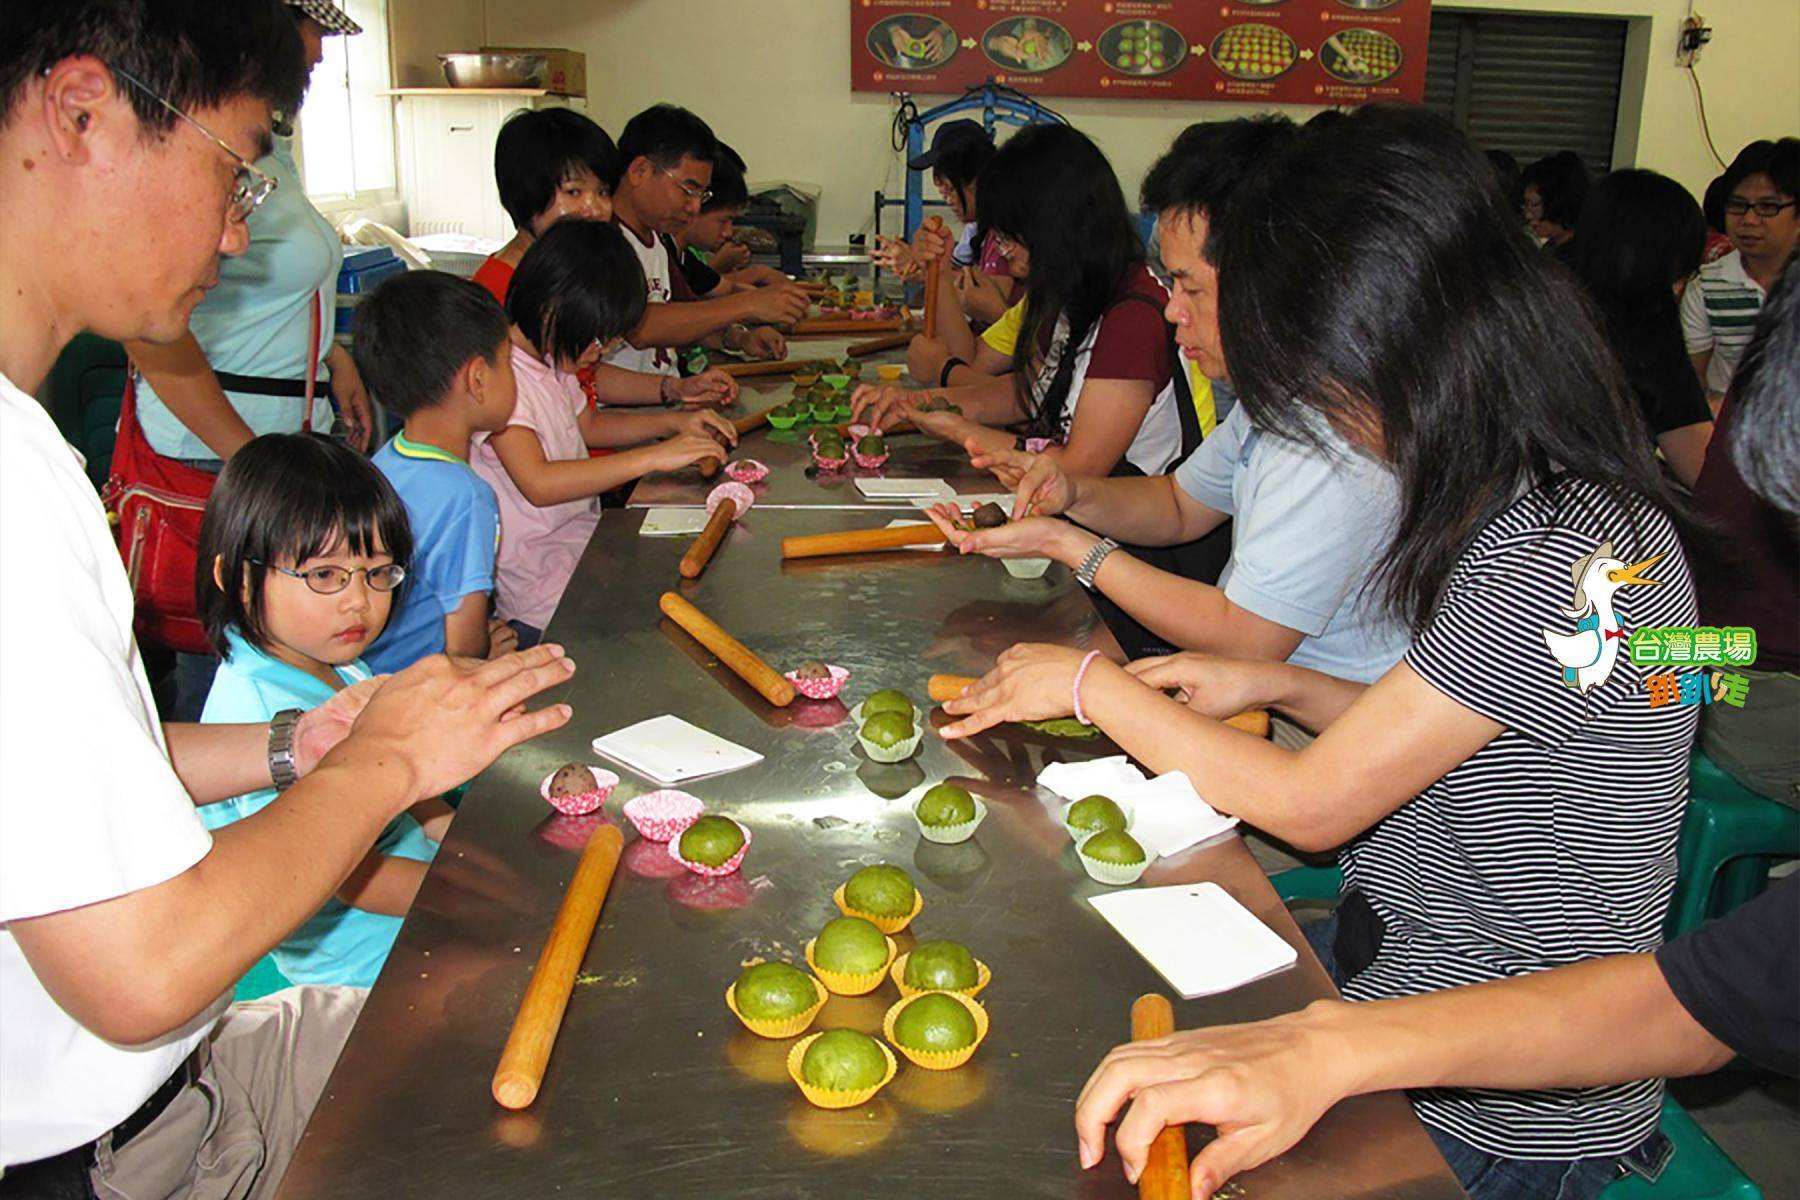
(1737, 206)
(329, 581)
(251, 185)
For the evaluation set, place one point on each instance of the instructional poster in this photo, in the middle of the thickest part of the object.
(1277, 51)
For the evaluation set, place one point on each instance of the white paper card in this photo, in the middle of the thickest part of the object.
(1105, 776)
(933, 546)
(669, 750)
(672, 522)
(882, 488)
(1168, 815)
(1198, 938)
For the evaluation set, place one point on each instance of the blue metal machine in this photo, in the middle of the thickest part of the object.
(996, 103)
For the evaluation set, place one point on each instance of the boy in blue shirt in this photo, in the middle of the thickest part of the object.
(433, 349)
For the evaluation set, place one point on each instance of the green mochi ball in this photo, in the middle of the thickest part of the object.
(772, 991)
(941, 967)
(882, 890)
(945, 805)
(711, 841)
(850, 946)
(888, 700)
(1096, 813)
(887, 729)
(843, 1060)
(934, 1021)
(1114, 846)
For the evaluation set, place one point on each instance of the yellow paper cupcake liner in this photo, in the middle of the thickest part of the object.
(842, 983)
(829, 1099)
(897, 972)
(887, 925)
(939, 1060)
(781, 1027)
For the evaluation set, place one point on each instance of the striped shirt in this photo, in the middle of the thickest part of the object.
(1556, 841)
(1718, 313)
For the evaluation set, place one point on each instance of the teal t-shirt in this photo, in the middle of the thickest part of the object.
(338, 944)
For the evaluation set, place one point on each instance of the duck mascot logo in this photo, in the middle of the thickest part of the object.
(1588, 655)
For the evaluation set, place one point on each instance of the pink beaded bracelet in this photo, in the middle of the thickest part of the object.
(1080, 673)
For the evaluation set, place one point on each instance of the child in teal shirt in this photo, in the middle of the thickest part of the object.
(314, 543)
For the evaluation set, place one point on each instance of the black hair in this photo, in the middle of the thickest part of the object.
(196, 54)
(417, 331)
(539, 150)
(1779, 160)
(1202, 171)
(1050, 189)
(726, 156)
(1640, 234)
(1380, 272)
(1561, 180)
(1765, 400)
(728, 187)
(665, 134)
(282, 499)
(579, 284)
(1712, 204)
(1506, 175)
(962, 160)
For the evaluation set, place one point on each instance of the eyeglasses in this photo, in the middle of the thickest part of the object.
(251, 186)
(692, 191)
(1737, 206)
(329, 581)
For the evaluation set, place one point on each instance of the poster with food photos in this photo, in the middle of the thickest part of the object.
(1274, 51)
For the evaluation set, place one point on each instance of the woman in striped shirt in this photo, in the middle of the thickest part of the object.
(1500, 810)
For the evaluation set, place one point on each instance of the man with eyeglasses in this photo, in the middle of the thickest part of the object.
(127, 130)
(666, 159)
(1719, 309)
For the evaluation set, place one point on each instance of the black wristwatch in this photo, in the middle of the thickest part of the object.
(281, 748)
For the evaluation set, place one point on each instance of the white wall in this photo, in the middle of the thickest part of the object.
(773, 79)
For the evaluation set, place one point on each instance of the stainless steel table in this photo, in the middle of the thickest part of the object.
(914, 456)
(654, 1088)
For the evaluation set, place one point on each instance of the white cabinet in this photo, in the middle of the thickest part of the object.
(447, 155)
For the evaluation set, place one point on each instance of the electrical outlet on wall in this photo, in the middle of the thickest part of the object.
(1695, 33)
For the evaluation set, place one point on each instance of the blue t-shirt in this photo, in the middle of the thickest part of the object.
(456, 533)
(338, 944)
(1307, 529)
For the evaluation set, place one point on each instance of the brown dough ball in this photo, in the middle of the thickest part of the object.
(812, 669)
(571, 779)
(989, 516)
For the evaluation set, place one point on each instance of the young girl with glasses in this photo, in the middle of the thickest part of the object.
(303, 550)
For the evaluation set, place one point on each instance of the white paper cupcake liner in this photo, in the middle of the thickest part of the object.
(1115, 874)
(950, 835)
(1081, 835)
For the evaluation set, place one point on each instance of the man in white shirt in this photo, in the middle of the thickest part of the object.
(126, 132)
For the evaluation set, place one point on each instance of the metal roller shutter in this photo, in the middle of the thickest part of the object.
(1529, 85)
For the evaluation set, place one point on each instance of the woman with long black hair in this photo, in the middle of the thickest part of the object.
(1092, 364)
(1506, 799)
(1639, 241)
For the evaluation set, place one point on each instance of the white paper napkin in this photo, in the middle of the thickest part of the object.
(883, 488)
(1168, 815)
(1196, 936)
(672, 522)
(669, 750)
(1105, 776)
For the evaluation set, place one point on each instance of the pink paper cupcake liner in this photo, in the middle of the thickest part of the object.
(661, 816)
(829, 464)
(870, 462)
(585, 803)
(858, 430)
(740, 492)
(820, 689)
(747, 470)
(725, 868)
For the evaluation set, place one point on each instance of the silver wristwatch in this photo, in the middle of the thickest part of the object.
(1090, 566)
(281, 748)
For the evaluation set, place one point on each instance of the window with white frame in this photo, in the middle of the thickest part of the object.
(347, 124)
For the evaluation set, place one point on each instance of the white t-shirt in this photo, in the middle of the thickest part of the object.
(90, 807)
(659, 275)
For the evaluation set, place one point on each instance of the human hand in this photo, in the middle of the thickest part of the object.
(447, 721)
(777, 304)
(882, 406)
(1210, 685)
(503, 639)
(1034, 537)
(932, 241)
(894, 256)
(1039, 484)
(925, 358)
(762, 342)
(706, 422)
(320, 729)
(1030, 682)
(1261, 1086)
(354, 408)
(684, 450)
(729, 257)
(711, 386)
(944, 426)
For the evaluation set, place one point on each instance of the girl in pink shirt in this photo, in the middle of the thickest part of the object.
(577, 292)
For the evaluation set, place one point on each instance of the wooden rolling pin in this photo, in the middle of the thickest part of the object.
(835, 326)
(934, 274)
(751, 421)
(747, 370)
(859, 541)
(701, 552)
(942, 688)
(521, 1069)
(733, 653)
(891, 341)
(1165, 1174)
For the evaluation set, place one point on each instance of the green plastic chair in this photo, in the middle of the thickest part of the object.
(263, 978)
(1729, 838)
(1698, 1169)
